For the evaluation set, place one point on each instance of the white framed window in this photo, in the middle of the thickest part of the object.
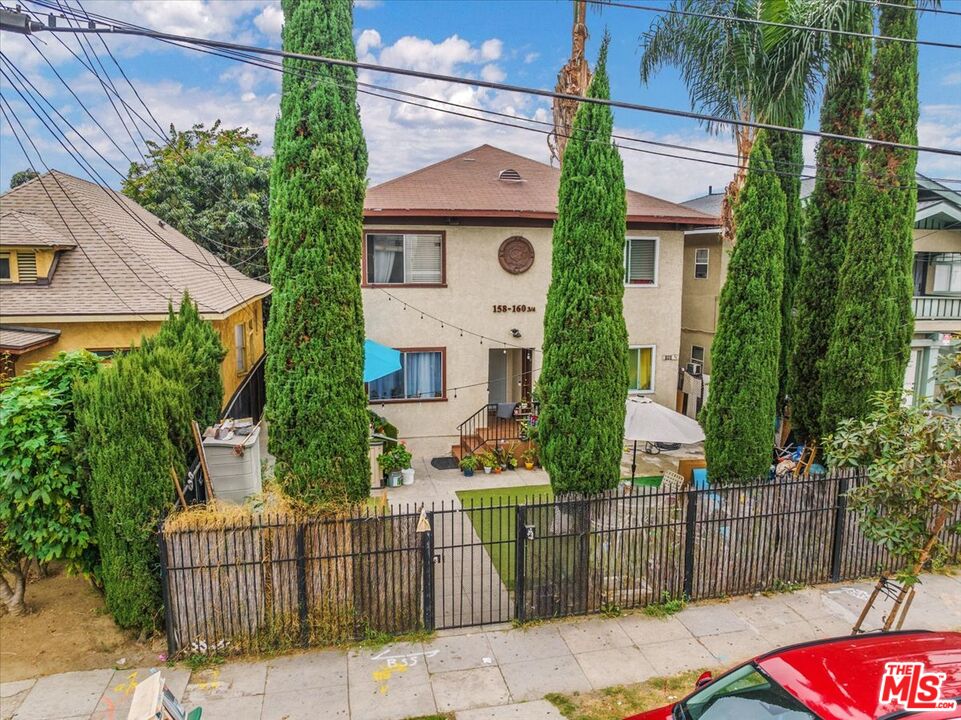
(240, 346)
(641, 368)
(640, 261)
(405, 258)
(5, 275)
(697, 354)
(947, 273)
(702, 257)
(421, 377)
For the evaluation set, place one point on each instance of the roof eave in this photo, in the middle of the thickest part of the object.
(523, 214)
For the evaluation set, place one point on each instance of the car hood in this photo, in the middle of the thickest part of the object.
(663, 713)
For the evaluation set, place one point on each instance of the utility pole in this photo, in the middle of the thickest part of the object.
(573, 79)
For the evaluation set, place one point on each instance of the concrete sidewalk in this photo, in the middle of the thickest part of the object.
(492, 674)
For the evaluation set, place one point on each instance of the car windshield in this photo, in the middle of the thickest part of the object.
(744, 694)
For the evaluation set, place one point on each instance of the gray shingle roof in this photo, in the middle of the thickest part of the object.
(14, 338)
(24, 228)
(126, 261)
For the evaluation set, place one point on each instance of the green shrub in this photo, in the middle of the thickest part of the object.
(196, 341)
(135, 417)
(44, 511)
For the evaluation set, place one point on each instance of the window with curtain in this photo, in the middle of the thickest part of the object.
(640, 261)
(947, 273)
(641, 368)
(701, 257)
(404, 259)
(421, 377)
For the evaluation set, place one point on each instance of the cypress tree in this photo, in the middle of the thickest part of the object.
(584, 381)
(869, 347)
(316, 402)
(199, 344)
(787, 153)
(741, 405)
(826, 227)
(134, 419)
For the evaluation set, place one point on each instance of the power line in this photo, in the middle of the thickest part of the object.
(5, 102)
(505, 87)
(772, 23)
(99, 181)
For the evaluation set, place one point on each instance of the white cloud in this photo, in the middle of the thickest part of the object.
(367, 4)
(270, 21)
(492, 73)
(938, 126)
(953, 78)
(531, 57)
(248, 97)
(491, 49)
(368, 40)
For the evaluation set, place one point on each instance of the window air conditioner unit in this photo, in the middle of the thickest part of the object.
(694, 368)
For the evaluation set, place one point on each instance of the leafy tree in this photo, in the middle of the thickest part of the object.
(584, 380)
(741, 406)
(912, 458)
(44, 511)
(211, 185)
(316, 402)
(200, 346)
(135, 418)
(869, 347)
(827, 215)
(22, 176)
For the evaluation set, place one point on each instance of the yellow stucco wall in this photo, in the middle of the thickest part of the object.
(116, 335)
(44, 258)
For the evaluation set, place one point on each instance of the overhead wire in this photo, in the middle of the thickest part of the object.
(95, 176)
(506, 87)
(772, 23)
(4, 105)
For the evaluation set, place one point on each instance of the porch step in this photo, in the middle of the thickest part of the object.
(520, 446)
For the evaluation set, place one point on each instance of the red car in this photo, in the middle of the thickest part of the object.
(838, 679)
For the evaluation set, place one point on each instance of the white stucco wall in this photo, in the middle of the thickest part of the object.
(475, 282)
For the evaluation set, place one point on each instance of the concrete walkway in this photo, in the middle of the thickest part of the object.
(492, 674)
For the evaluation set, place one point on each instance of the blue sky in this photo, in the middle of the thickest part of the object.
(524, 42)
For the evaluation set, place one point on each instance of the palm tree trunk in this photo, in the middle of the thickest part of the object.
(744, 138)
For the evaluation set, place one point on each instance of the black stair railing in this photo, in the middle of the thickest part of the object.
(484, 427)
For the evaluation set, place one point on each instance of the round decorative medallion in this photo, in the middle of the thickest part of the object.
(516, 255)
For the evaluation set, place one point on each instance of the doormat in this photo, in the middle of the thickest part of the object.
(444, 463)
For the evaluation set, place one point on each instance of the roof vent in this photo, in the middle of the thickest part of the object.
(510, 175)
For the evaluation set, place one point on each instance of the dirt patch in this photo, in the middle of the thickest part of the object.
(66, 629)
(618, 702)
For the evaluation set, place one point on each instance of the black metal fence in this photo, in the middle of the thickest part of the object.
(317, 581)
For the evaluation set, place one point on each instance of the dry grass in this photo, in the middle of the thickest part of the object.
(618, 702)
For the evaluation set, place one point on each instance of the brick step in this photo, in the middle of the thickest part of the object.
(520, 446)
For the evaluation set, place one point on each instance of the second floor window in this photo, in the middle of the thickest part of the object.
(701, 257)
(640, 261)
(405, 259)
(5, 266)
(947, 273)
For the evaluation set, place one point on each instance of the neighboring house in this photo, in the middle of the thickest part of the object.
(85, 267)
(468, 241)
(937, 280)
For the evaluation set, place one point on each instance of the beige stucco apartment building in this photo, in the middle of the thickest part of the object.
(937, 282)
(457, 262)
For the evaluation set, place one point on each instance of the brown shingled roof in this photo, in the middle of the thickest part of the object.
(146, 262)
(23, 228)
(469, 185)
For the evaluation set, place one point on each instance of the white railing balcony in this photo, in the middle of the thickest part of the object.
(931, 307)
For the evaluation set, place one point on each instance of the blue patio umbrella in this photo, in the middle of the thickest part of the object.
(379, 360)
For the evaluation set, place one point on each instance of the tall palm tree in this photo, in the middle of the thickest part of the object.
(743, 70)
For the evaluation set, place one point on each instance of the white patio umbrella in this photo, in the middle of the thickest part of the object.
(646, 421)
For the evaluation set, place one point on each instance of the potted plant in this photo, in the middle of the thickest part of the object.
(510, 457)
(393, 463)
(404, 457)
(488, 461)
(530, 457)
(469, 464)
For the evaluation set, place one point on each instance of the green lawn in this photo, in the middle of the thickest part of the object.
(495, 525)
